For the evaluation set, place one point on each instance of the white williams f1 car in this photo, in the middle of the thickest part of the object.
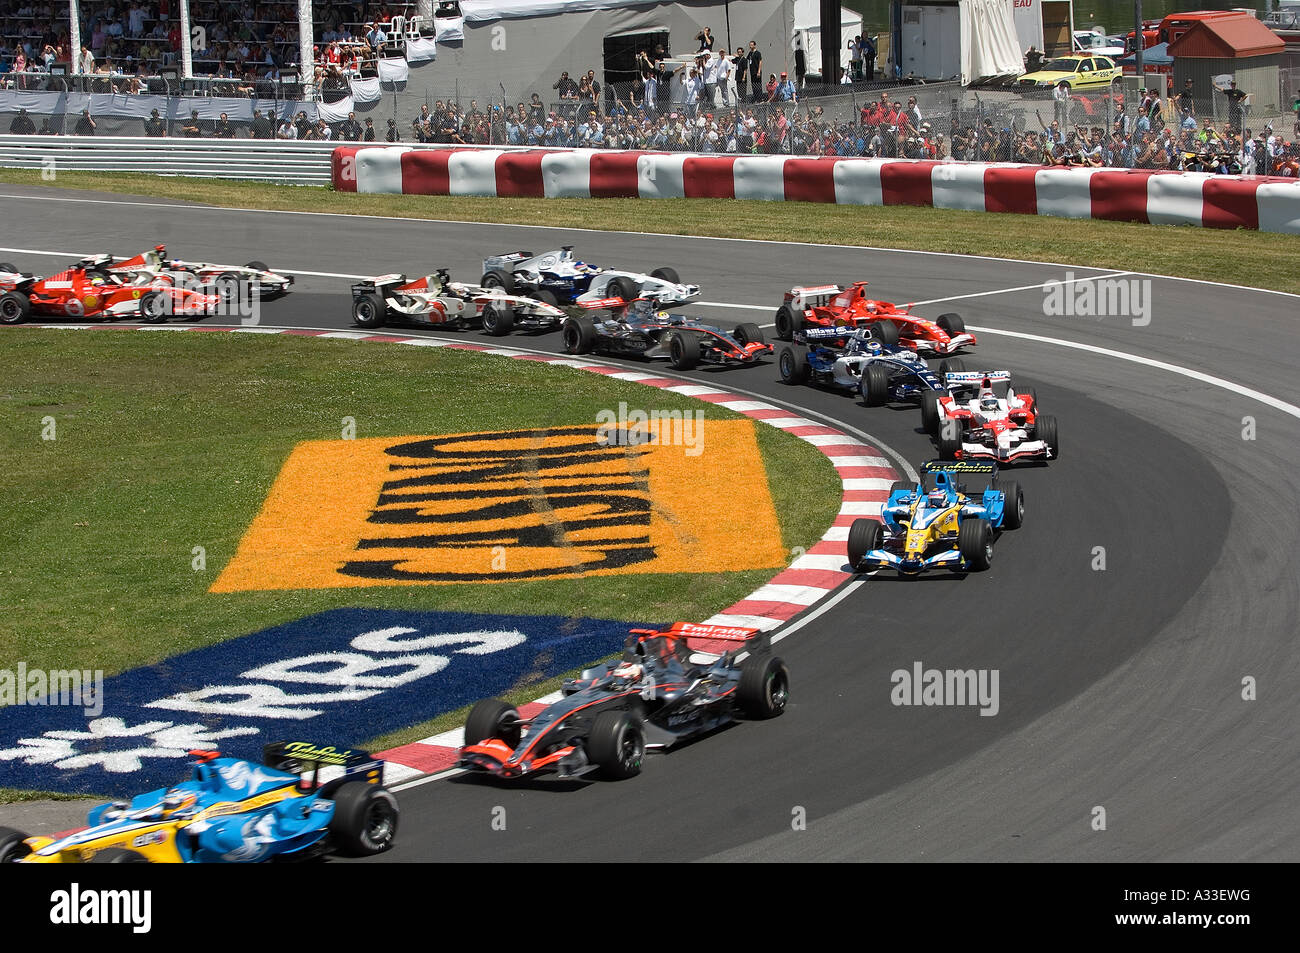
(556, 277)
(437, 301)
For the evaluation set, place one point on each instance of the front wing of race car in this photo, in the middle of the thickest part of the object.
(909, 565)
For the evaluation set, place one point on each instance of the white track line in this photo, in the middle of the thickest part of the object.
(1006, 291)
(606, 231)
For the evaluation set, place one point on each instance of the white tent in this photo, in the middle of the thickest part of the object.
(969, 40)
(807, 20)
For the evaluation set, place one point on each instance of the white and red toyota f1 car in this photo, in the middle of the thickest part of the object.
(981, 417)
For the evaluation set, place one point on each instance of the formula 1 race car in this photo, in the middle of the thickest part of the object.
(556, 277)
(90, 291)
(937, 523)
(637, 330)
(829, 306)
(437, 301)
(204, 276)
(654, 697)
(10, 276)
(235, 812)
(975, 421)
(868, 361)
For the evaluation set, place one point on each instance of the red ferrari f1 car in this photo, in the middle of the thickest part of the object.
(830, 306)
(89, 290)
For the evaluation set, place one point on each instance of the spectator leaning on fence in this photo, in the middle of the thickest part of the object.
(22, 124)
(154, 127)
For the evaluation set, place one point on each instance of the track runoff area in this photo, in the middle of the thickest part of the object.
(1113, 619)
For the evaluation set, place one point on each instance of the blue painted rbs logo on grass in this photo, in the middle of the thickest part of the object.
(339, 677)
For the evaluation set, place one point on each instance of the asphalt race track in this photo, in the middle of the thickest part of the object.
(1120, 688)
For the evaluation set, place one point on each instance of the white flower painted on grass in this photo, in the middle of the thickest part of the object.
(153, 739)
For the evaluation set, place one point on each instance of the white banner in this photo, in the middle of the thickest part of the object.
(418, 51)
(335, 112)
(139, 107)
(365, 90)
(393, 70)
(480, 10)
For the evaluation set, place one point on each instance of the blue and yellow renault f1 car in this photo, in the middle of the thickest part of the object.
(939, 521)
(234, 811)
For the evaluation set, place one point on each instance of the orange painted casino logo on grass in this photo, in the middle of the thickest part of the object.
(514, 505)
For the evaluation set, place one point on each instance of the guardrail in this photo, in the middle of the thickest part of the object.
(262, 160)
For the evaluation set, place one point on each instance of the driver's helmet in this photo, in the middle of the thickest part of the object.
(988, 404)
(177, 800)
(937, 498)
(629, 670)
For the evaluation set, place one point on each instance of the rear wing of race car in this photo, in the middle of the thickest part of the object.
(368, 285)
(307, 760)
(962, 471)
(753, 640)
(970, 380)
(818, 296)
(505, 261)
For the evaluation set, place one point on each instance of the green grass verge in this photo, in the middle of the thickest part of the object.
(166, 441)
(1241, 257)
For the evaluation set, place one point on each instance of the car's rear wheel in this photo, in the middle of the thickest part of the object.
(15, 308)
(793, 364)
(498, 319)
(952, 365)
(949, 437)
(12, 848)
(748, 333)
(886, 332)
(365, 819)
(617, 744)
(951, 324)
(865, 535)
(546, 297)
(764, 686)
(621, 288)
(1013, 509)
(578, 335)
(369, 311)
(666, 274)
(117, 855)
(684, 350)
(257, 266)
(8, 267)
(492, 718)
(228, 287)
(787, 323)
(975, 543)
(875, 384)
(897, 485)
(499, 278)
(155, 306)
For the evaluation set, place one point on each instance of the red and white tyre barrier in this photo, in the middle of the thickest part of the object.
(1129, 195)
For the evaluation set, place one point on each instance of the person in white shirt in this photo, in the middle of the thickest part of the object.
(87, 60)
(726, 80)
(710, 71)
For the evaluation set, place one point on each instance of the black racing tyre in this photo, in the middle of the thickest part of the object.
(901, 485)
(499, 278)
(546, 297)
(492, 718)
(617, 744)
(578, 335)
(229, 287)
(793, 364)
(15, 308)
(951, 365)
(748, 333)
(12, 848)
(975, 543)
(1013, 512)
(864, 536)
(666, 274)
(369, 311)
(257, 266)
(498, 319)
(949, 439)
(365, 819)
(155, 307)
(764, 686)
(886, 332)
(787, 322)
(621, 288)
(684, 350)
(952, 324)
(930, 412)
(9, 267)
(117, 855)
(875, 384)
(1045, 430)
